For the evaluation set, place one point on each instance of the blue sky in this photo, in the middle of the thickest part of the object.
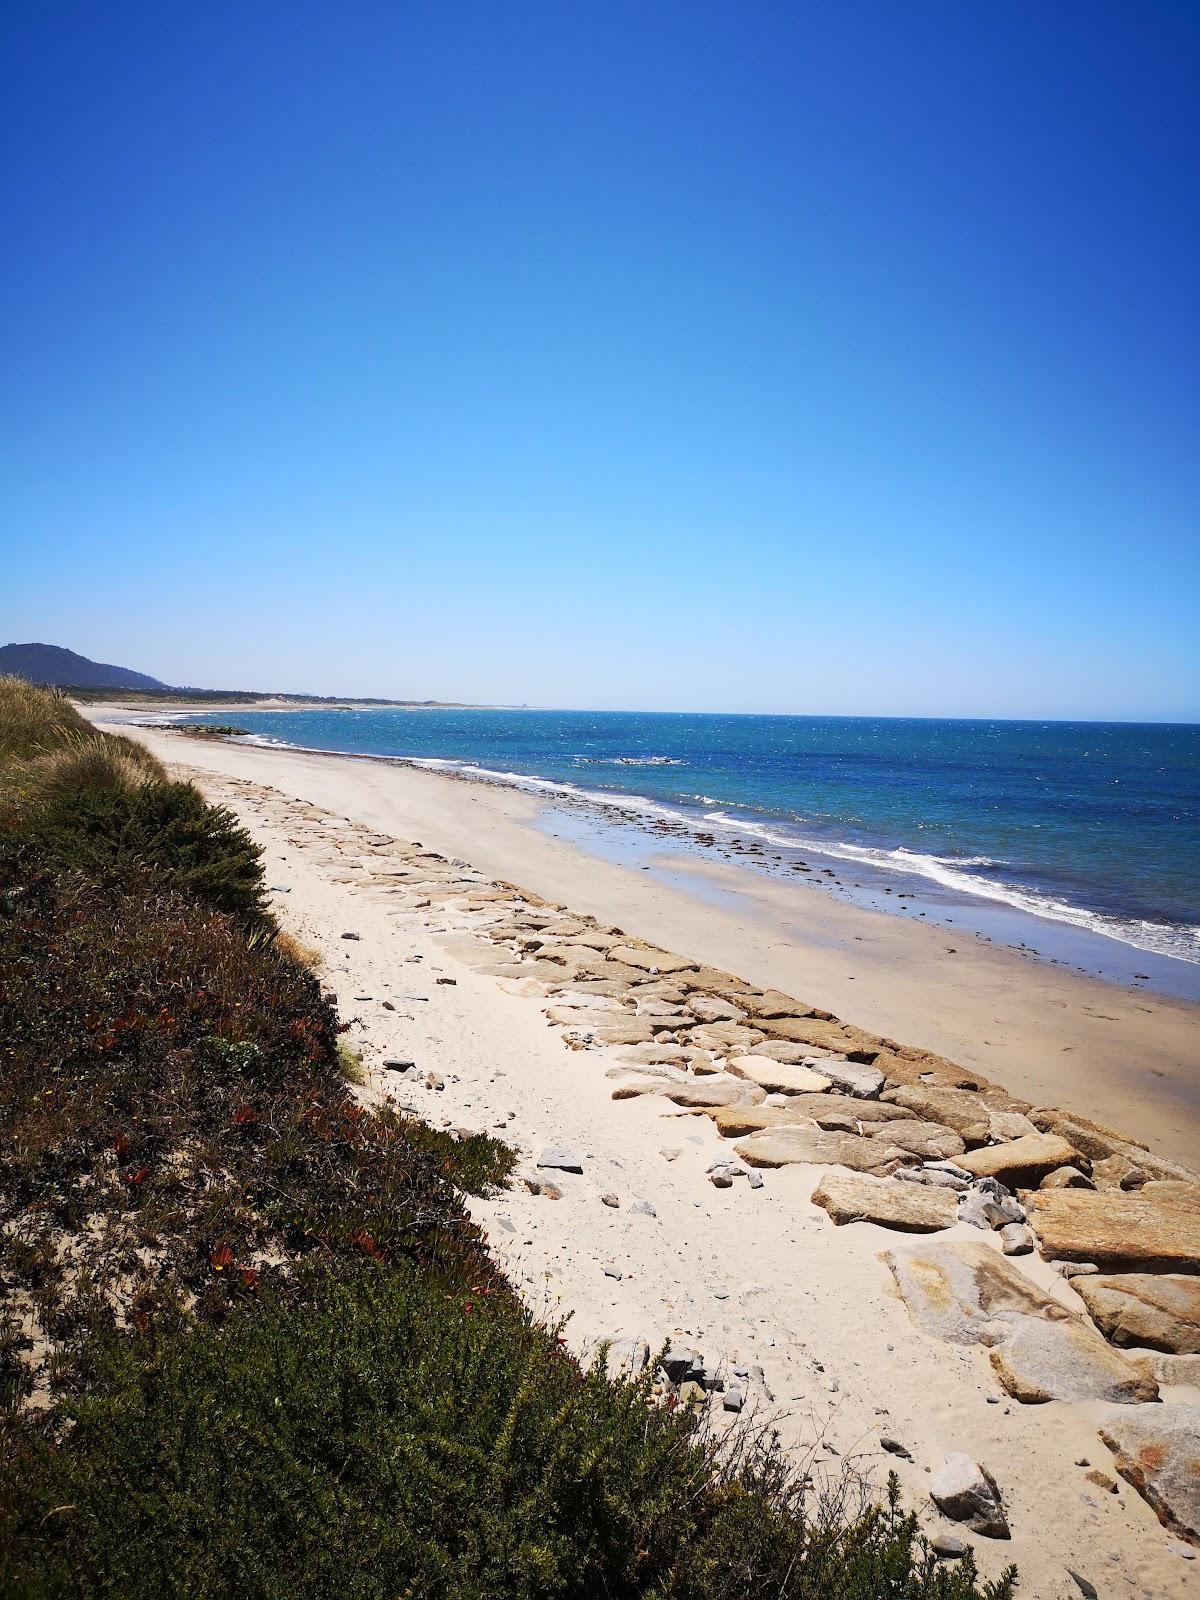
(820, 358)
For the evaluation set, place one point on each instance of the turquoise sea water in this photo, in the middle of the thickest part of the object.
(1093, 826)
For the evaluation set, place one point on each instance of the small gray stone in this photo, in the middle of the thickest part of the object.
(613, 1272)
(733, 1399)
(642, 1208)
(948, 1545)
(894, 1447)
(610, 1200)
(1016, 1239)
(682, 1364)
(1087, 1590)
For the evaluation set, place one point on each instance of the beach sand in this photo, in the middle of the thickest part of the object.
(752, 1277)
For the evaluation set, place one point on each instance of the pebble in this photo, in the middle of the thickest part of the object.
(894, 1447)
(613, 1272)
(610, 1200)
(642, 1208)
(351, 936)
(948, 1545)
(733, 1400)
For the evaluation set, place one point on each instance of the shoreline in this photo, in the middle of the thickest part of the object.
(635, 1243)
(1129, 1058)
(1118, 948)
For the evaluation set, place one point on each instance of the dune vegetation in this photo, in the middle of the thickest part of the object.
(251, 1343)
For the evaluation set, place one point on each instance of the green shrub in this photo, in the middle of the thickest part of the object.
(390, 1432)
(109, 829)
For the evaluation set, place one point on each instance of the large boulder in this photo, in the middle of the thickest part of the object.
(967, 1293)
(1041, 1360)
(1019, 1161)
(778, 1077)
(909, 1207)
(1099, 1143)
(1156, 1227)
(782, 1147)
(966, 1492)
(1158, 1452)
(1160, 1311)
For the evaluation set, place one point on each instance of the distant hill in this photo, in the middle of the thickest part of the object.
(51, 664)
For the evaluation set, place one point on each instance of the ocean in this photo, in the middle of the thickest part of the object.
(1091, 826)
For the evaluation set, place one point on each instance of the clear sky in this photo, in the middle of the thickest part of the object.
(835, 357)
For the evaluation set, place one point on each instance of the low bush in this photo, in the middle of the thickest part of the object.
(394, 1432)
(126, 821)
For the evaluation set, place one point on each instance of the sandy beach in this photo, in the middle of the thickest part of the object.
(804, 1316)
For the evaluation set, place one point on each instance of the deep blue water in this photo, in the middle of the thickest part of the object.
(1093, 824)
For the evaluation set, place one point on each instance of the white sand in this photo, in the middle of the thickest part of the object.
(749, 1277)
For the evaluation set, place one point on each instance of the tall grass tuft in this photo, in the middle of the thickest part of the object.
(34, 720)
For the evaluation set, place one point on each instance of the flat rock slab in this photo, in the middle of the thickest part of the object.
(968, 1293)
(711, 1090)
(1066, 1360)
(711, 1008)
(1158, 1452)
(851, 1077)
(724, 1038)
(1020, 1161)
(825, 1035)
(929, 1140)
(778, 1077)
(615, 1031)
(787, 1050)
(961, 1290)
(650, 960)
(1157, 1227)
(842, 1113)
(734, 1122)
(784, 1147)
(959, 1109)
(850, 1197)
(1160, 1311)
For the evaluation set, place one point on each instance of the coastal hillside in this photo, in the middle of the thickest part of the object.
(52, 665)
(251, 1340)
